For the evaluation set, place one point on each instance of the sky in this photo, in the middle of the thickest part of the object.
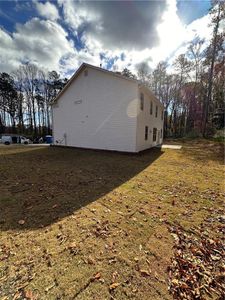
(60, 35)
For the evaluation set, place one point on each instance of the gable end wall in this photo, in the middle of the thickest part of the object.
(97, 111)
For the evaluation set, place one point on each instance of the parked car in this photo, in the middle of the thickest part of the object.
(14, 139)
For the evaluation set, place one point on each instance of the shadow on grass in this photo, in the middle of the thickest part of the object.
(46, 185)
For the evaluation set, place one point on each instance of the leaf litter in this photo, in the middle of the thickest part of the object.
(197, 269)
(66, 247)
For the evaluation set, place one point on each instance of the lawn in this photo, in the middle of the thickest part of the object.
(82, 224)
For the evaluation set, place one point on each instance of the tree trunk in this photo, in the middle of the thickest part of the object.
(210, 80)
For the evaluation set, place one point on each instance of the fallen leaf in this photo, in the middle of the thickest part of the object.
(114, 276)
(97, 275)
(90, 260)
(175, 282)
(16, 296)
(156, 276)
(145, 272)
(48, 288)
(29, 295)
(73, 248)
(114, 285)
(21, 222)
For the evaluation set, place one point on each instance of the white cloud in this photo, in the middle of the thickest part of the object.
(103, 30)
(174, 39)
(175, 36)
(8, 52)
(43, 42)
(124, 25)
(201, 28)
(171, 32)
(47, 10)
(146, 32)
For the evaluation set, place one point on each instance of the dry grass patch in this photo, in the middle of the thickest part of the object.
(81, 224)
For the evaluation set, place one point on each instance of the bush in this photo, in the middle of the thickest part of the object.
(219, 136)
(210, 130)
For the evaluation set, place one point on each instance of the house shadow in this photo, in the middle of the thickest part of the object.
(40, 186)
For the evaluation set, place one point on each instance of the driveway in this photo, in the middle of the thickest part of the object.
(166, 146)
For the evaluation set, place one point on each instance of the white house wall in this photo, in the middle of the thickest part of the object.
(97, 111)
(146, 119)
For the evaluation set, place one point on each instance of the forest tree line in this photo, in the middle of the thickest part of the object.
(193, 94)
(25, 100)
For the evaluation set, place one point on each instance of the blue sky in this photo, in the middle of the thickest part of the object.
(62, 34)
(190, 10)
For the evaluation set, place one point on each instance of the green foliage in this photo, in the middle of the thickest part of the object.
(220, 139)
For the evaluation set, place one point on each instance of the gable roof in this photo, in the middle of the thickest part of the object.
(81, 68)
(85, 65)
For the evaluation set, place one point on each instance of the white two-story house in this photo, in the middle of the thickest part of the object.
(100, 109)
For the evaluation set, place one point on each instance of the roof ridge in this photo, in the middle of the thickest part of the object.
(76, 73)
(83, 65)
(111, 72)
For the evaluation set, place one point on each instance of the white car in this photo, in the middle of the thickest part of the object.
(14, 139)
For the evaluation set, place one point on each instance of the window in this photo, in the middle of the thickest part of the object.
(85, 73)
(142, 102)
(161, 133)
(151, 108)
(154, 134)
(156, 111)
(146, 133)
(162, 115)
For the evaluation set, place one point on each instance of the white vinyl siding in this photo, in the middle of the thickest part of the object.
(146, 119)
(101, 111)
(97, 111)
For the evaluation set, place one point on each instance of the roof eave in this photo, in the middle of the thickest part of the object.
(68, 83)
(85, 65)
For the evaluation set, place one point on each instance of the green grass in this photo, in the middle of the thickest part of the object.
(86, 212)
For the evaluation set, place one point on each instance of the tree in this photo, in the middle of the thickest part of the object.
(18, 80)
(25, 99)
(217, 14)
(8, 95)
(144, 74)
(194, 92)
(127, 73)
(30, 72)
(180, 108)
(162, 85)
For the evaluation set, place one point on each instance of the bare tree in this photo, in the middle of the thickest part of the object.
(218, 14)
